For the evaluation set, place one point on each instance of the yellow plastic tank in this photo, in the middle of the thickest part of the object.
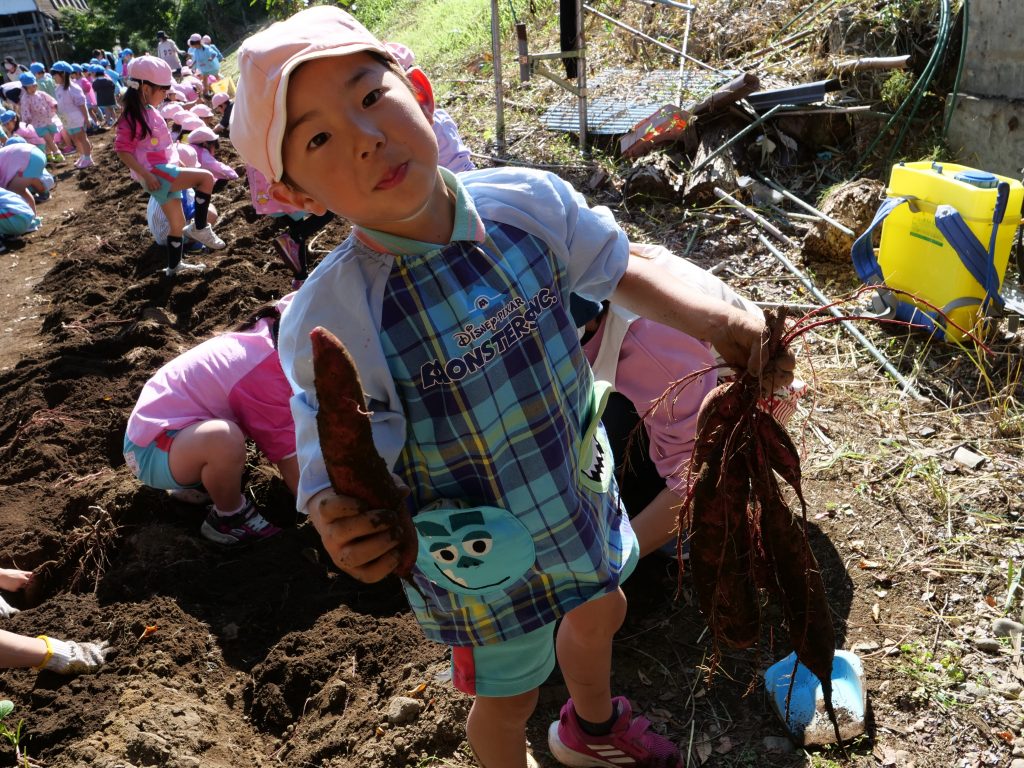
(914, 256)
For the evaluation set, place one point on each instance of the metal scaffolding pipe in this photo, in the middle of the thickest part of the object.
(900, 379)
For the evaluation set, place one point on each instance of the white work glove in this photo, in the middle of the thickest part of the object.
(71, 658)
(6, 609)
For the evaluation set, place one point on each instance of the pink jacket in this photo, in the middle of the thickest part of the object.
(651, 357)
(213, 165)
(235, 376)
(155, 149)
(38, 109)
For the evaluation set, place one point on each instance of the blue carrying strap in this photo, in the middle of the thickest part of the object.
(976, 260)
(885, 304)
(979, 262)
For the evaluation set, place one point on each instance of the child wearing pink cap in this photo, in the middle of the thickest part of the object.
(222, 104)
(144, 144)
(205, 142)
(191, 422)
(451, 293)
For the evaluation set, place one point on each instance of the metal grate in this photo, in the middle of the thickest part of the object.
(620, 98)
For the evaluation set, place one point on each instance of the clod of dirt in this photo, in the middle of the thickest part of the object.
(852, 204)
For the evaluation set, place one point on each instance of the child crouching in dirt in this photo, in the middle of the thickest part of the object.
(191, 422)
(144, 144)
(642, 359)
(42, 652)
(452, 296)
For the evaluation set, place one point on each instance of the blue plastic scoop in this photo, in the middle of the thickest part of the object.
(806, 719)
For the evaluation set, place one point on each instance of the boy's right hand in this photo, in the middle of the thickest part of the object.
(358, 545)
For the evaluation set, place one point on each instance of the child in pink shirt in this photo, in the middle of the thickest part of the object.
(13, 127)
(205, 143)
(144, 144)
(191, 422)
(39, 110)
(74, 111)
(641, 359)
(21, 171)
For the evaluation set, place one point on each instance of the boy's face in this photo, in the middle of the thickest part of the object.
(359, 143)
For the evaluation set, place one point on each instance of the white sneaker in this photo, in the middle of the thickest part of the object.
(184, 266)
(84, 162)
(206, 236)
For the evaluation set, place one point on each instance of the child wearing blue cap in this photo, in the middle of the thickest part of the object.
(74, 111)
(39, 110)
(106, 94)
(43, 79)
(15, 129)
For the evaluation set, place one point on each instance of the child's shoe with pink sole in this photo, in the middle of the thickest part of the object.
(631, 742)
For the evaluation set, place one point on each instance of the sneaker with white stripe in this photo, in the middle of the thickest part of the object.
(630, 744)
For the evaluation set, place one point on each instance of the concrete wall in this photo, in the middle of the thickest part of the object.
(987, 129)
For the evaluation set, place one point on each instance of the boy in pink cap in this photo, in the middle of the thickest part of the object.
(144, 144)
(452, 295)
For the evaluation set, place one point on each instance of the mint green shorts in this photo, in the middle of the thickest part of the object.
(518, 665)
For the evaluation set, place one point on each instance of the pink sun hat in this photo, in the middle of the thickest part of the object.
(218, 99)
(201, 110)
(187, 155)
(266, 61)
(151, 69)
(202, 135)
(170, 109)
(188, 121)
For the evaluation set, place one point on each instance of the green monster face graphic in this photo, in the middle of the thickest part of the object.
(473, 551)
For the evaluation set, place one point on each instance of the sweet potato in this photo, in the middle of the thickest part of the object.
(799, 586)
(354, 466)
(720, 552)
(743, 535)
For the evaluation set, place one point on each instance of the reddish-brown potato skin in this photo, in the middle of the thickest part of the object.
(743, 535)
(346, 441)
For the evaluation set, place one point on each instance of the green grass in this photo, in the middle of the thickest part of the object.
(438, 31)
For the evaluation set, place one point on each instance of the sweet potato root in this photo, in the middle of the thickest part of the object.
(742, 533)
(346, 440)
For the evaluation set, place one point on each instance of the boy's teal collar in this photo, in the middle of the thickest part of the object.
(468, 225)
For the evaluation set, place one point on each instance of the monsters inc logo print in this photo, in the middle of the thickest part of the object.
(472, 551)
(511, 323)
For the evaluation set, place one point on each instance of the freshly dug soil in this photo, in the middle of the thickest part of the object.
(267, 655)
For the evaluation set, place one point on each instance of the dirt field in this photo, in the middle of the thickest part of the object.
(268, 656)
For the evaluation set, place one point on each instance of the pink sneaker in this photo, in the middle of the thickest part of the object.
(630, 743)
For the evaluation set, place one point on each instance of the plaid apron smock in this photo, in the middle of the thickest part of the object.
(498, 396)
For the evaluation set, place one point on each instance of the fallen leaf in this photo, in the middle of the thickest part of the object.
(875, 612)
(703, 750)
(724, 745)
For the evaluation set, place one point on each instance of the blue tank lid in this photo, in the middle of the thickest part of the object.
(981, 179)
